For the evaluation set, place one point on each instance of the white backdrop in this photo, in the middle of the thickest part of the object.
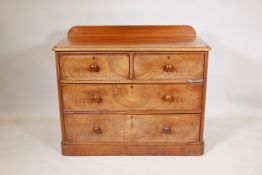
(30, 28)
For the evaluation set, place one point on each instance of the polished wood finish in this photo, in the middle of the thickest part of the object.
(175, 128)
(193, 46)
(132, 90)
(94, 66)
(132, 149)
(94, 128)
(131, 34)
(62, 123)
(132, 38)
(117, 97)
(168, 66)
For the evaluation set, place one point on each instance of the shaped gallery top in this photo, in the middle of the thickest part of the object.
(132, 38)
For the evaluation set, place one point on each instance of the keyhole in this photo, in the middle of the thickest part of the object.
(131, 122)
(132, 89)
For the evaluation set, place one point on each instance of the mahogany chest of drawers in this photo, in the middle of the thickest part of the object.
(132, 90)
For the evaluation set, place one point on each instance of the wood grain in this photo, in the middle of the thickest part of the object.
(132, 38)
(168, 66)
(184, 128)
(132, 150)
(121, 97)
(204, 99)
(62, 123)
(131, 34)
(132, 90)
(109, 66)
(80, 128)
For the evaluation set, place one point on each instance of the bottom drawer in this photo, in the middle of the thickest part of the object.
(95, 128)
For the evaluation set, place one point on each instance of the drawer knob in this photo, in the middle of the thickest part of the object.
(168, 98)
(96, 99)
(167, 130)
(169, 68)
(94, 67)
(97, 130)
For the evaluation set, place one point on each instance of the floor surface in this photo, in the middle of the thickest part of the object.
(32, 147)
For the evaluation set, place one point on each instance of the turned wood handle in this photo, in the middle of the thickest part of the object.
(169, 68)
(168, 98)
(94, 67)
(97, 130)
(167, 129)
(96, 99)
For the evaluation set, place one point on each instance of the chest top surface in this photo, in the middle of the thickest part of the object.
(132, 38)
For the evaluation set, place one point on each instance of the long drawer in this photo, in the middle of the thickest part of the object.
(177, 128)
(126, 97)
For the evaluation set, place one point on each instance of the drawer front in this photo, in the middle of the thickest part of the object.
(94, 67)
(168, 66)
(94, 128)
(177, 128)
(125, 97)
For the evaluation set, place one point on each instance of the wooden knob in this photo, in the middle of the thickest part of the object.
(167, 129)
(97, 130)
(168, 98)
(96, 99)
(169, 68)
(94, 67)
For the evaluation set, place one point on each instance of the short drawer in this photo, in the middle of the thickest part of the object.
(168, 66)
(129, 97)
(94, 66)
(164, 128)
(178, 128)
(94, 128)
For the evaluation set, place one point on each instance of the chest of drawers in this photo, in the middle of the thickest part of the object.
(132, 90)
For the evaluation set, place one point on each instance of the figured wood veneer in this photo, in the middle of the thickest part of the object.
(132, 90)
(157, 66)
(108, 66)
(183, 128)
(115, 97)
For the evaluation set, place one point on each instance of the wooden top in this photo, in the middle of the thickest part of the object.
(132, 38)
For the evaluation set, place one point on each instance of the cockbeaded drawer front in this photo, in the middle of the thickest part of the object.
(128, 97)
(163, 128)
(94, 66)
(168, 66)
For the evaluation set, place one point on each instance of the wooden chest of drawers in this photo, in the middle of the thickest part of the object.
(132, 90)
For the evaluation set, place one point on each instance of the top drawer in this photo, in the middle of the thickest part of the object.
(94, 66)
(168, 66)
